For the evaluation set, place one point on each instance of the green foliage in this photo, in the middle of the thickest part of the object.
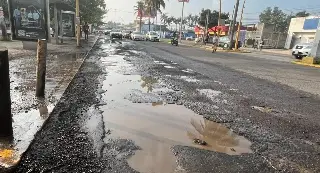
(302, 14)
(192, 20)
(91, 11)
(278, 18)
(212, 19)
(275, 17)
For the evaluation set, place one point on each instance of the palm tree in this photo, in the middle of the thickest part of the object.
(170, 20)
(164, 18)
(154, 6)
(177, 21)
(189, 19)
(139, 8)
(196, 19)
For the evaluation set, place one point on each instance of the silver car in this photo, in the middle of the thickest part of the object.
(137, 36)
(301, 50)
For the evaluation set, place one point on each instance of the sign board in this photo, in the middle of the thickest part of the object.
(28, 19)
(68, 23)
(183, 0)
(1, 13)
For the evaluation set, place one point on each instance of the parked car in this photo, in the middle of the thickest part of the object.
(126, 34)
(116, 34)
(138, 36)
(301, 50)
(152, 36)
(225, 42)
(107, 32)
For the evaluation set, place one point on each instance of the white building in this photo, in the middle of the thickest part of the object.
(302, 30)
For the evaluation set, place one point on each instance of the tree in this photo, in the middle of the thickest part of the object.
(164, 18)
(153, 6)
(91, 11)
(275, 17)
(171, 20)
(139, 8)
(196, 19)
(189, 20)
(176, 21)
(302, 14)
(212, 18)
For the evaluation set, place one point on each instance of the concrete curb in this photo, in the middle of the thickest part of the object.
(306, 64)
(12, 168)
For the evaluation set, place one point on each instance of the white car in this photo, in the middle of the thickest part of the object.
(152, 36)
(137, 36)
(301, 50)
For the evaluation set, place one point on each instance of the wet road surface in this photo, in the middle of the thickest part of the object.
(140, 107)
(28, 112)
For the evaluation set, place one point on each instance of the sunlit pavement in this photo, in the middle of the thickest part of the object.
(152, 107)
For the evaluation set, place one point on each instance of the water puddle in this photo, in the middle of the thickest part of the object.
(212, 94)
(25, 125)
(187, 71)
(137, 109)
(160, 62)
(189, 79)
(168, 66)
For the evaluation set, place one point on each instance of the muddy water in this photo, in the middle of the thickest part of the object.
(137, 110)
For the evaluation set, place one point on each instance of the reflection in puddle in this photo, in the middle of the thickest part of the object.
(155, 126)
(26, 124)
(8, 156)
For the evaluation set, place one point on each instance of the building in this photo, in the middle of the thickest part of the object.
(266, 33)
(302, 30)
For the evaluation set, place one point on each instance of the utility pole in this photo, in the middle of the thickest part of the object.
(207, 21)
(219, 13)
(233, 23)
(239, 26)
(181, 21)
(78, 22)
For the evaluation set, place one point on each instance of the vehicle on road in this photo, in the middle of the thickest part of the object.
(174, 41)
(138, 36)
(116, 34)
(301, 50)
(152, 36)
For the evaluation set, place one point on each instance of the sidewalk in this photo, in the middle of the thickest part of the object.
(29, 113)
(273, 51)
(280, 52)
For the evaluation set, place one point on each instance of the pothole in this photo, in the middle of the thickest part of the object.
(138, 109)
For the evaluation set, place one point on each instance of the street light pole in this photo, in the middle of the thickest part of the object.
(239, 26)
(233, 23)
(78, 22)
(219, 13)
(181, 22)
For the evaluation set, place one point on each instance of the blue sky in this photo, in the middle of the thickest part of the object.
(122, 10)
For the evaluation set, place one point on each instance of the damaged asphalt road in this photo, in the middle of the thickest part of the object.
(138, 107)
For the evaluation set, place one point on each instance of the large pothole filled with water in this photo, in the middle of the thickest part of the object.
(144, 110)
